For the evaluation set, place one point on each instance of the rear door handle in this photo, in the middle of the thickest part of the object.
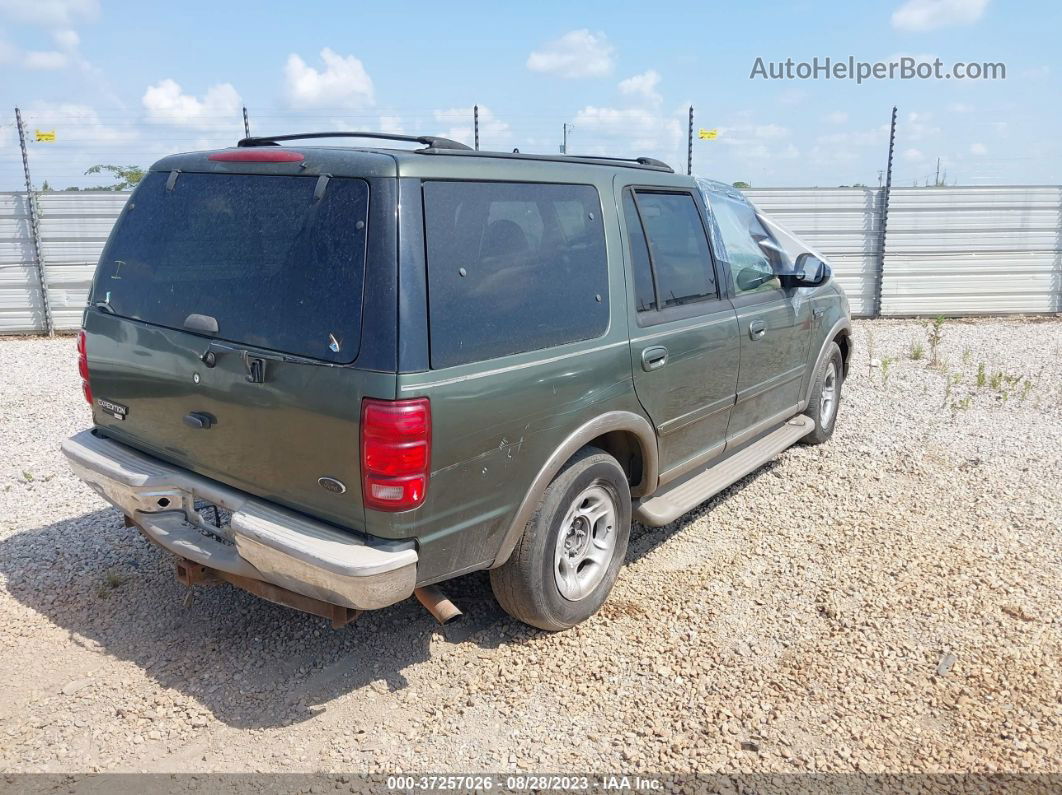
(654, 358)
(757, 328)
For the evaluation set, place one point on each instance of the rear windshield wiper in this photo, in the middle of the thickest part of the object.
(202, 323)
(105, 306)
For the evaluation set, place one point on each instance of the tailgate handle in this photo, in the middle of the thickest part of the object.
(199, 419)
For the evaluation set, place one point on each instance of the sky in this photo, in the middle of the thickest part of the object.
(128, 82)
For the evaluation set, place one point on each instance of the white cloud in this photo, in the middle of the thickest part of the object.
(66, 38)
(50, 13)
(960, 107)
(578, 53)
(757, 142)
(837, 117)
(342, 83)
(458, 124)
(922, 15)
(48, 59)
(165, 103)
(918, 127)
(913, 155)
(643, 85)
(978, 149)
(58, 17)
(392, 124)
(630, 132)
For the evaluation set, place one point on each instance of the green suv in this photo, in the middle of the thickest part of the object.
(337, 376)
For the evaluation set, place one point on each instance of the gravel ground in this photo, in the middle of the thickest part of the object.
(888, 602)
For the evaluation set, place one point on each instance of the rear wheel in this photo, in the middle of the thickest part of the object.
(826, 396)
(566, 562)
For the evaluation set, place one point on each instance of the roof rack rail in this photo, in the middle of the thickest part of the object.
(431, 141)
(641, 161)
(649, 163)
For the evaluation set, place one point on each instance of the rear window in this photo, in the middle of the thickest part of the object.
(274, 264)
(512, 267)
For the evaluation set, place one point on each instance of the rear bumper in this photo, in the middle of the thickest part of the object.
(261, 541)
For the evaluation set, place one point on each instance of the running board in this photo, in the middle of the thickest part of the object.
(683, 495)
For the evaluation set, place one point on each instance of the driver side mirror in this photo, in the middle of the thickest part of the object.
(809, 271)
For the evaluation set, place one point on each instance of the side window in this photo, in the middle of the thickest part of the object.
(512, 267)
(678, 248)
(644, 292)
(754, 258)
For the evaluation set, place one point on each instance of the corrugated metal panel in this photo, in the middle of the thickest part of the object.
(74, 226)
(842, 223)
(966, 250)
(20, 295)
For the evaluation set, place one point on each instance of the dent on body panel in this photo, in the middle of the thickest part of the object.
(497, 432)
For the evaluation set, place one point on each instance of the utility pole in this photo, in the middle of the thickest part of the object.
(564, 139)
(936, 179)
(689, 145)
(885, 216)
(246, 124)
(475, 123)
(35, 228)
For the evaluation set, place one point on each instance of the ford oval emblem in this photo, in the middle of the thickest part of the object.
(333, 485)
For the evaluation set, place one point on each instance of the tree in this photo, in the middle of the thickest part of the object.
(742, 185)
(45, 187)
(126, 178)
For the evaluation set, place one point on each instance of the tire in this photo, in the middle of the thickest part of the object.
(828, 379)
(554, 582)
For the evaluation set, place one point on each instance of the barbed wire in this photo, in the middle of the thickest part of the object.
(86, 137)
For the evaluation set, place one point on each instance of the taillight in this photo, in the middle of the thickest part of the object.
(82, 366)
(395, 453)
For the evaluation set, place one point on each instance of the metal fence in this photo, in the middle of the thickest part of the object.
(973, 251)
(948, 250)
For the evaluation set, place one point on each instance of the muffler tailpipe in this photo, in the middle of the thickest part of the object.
(436, 603)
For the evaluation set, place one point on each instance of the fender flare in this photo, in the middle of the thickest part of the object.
(843, 325)
(610, 421)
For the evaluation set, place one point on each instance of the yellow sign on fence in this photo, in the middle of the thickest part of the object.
(708, 135)
(45, 135)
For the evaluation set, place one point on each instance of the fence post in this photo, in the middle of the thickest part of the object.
(35, 231)
(880, 276)
(475, 123)
(689, 145)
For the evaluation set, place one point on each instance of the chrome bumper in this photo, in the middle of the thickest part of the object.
(261, 541)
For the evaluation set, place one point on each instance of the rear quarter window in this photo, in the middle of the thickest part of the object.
(512, 267)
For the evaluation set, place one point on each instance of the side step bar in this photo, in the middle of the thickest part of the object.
(690, 491)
